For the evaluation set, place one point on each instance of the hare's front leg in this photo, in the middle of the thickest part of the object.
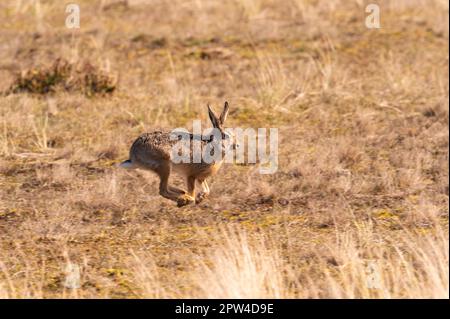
(204, 193)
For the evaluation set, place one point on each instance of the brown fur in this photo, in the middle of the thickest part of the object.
(153, 151)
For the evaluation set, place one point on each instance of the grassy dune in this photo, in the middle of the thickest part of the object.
(357, 209)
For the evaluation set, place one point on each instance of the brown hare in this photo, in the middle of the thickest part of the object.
(155, 151)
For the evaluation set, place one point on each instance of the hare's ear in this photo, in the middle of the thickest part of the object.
(224, 114)
(214, 120)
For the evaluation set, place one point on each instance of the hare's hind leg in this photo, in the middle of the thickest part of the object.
(191, 186)
(176, 190)
(204, 193)
(170, 192)
(188, 196)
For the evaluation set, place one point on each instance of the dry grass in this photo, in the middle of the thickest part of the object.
(362, 186)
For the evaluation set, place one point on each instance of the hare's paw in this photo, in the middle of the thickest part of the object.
(200, 197)
(184, 200)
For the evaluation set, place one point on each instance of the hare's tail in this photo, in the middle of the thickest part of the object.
(127, 164)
